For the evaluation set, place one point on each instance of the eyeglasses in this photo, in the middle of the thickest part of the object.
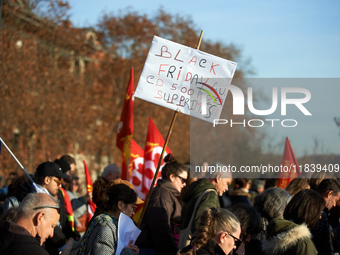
(57, 181)
(57, 207)
(183, 180)
(134, 207)
(236, 240)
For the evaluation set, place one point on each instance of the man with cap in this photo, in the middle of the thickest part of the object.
(48, 178)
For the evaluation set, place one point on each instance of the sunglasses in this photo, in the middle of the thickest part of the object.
(183, 180)
(57, 207)
(57, 181)
(236, 240)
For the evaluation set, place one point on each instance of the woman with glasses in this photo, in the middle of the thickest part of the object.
(218, 233)
(101, 236)
(163, 212)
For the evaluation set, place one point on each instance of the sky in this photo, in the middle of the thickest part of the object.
(281, 39)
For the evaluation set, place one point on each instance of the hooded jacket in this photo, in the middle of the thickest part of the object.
(161, 216)
(285, 237)
(210, 200)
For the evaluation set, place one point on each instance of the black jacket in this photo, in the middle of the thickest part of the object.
(161, 216)
(16, 240)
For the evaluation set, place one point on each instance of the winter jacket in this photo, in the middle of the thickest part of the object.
(287, 238)
(16, 240)
(210, 200)
(161, 216)
(322, 235)
(101, 237)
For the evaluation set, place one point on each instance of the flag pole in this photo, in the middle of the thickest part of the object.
(163, 151)
(2, 141)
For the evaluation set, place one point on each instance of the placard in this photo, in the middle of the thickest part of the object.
(179, 77)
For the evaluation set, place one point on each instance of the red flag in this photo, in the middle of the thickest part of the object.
(152, 152)
(125, 127)
(290, 167)
(91, 207)
(68, 208)
(136, 168)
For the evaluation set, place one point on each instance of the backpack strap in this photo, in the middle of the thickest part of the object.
(197, 203)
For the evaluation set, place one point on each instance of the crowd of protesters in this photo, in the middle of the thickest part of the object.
(215, 215)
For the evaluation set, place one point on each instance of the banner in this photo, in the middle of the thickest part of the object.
(125, 127)
(290, 166)
(178, 77)
(152, 152)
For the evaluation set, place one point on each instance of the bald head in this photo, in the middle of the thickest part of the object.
(32, 201)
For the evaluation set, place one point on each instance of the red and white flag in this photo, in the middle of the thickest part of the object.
(152, 152)
(290, 166)
(125, 127)
(136, 168)
(91, 207)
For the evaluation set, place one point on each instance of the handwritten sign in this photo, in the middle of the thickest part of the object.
(178, 77)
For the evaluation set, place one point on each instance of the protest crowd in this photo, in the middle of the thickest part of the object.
(183, 215)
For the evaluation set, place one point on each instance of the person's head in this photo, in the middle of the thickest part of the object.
(249, 219)
(74, 185)
(174, 172)
(257, 186)
(221, 184)
(317, 178)
(329, 190)
(39, 213)
(221, 180)
(305, 207)
(121, 198)
(271, 203)
(115, 200)
(297, 184)
(48, 175)
(220, 226)
(242, 183)
(71, 161)
(111, 172)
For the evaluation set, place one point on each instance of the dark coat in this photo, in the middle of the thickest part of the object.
(189, 198)
(287, 238)
(211, 248)
(162, 214)
(16, 240)
(322, 235)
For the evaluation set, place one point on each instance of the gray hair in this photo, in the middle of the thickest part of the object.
(111, 169)
(272, 202)
(33, 200)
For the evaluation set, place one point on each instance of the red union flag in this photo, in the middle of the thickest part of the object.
(290, 167)
(136, 168)
(91, 207)
(152, 152)
(125, 127)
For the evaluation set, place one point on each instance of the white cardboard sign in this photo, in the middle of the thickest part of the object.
(178, 77)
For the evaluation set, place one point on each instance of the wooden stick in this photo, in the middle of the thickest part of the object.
(163, 151)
